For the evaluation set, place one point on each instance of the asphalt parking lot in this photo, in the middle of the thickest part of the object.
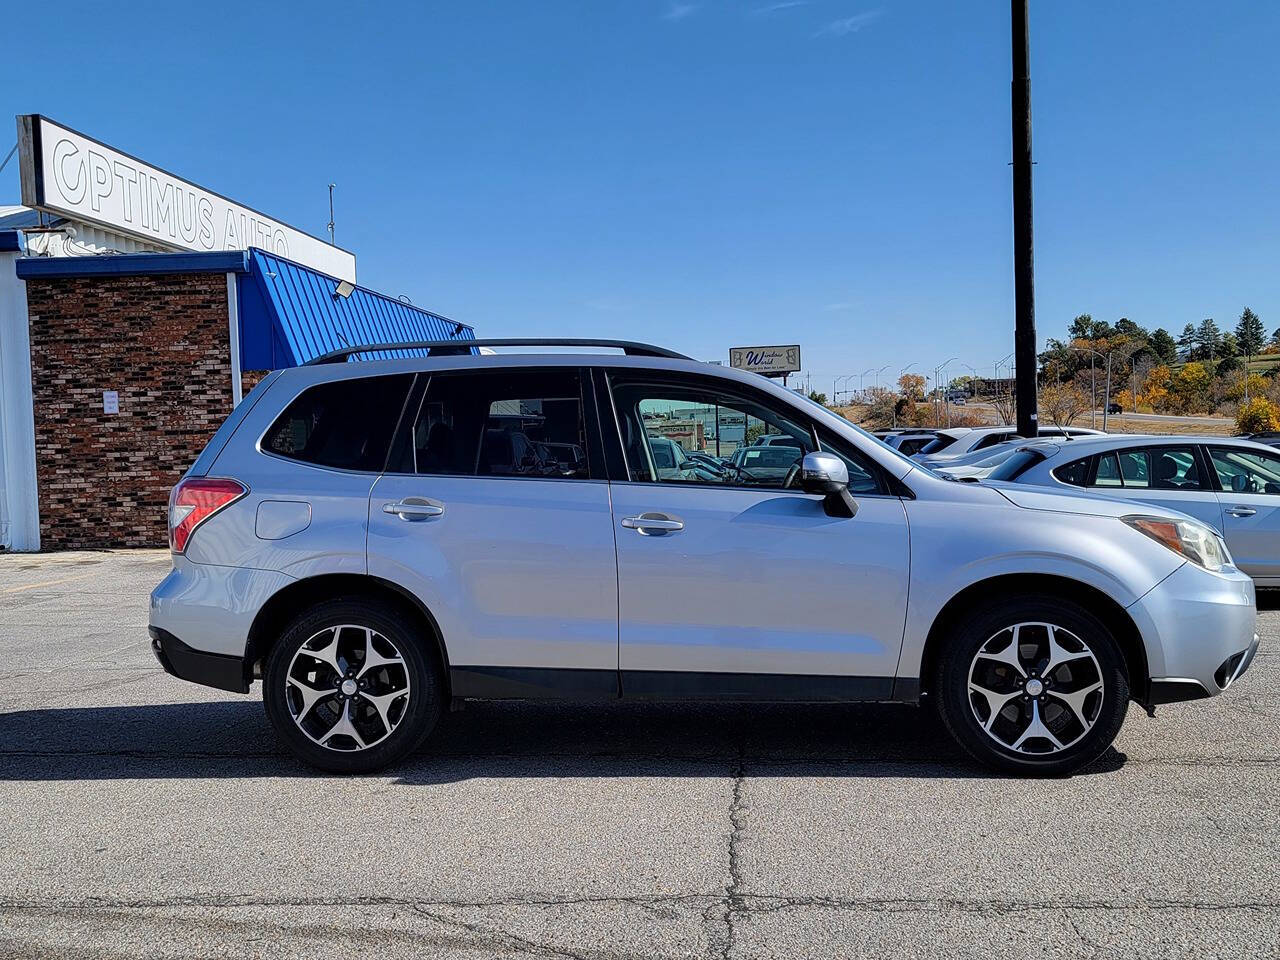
(141, 816)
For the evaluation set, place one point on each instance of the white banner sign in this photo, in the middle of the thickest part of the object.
(767, 360)
(71, 175)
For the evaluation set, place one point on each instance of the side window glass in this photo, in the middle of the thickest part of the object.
(1076, 473)
(1135, 468)
(1170, 469)
(862, 478)
(1246, 471)
(513, 424)
(345, 424)
(672, 434)
(1108, 474)
(1156, 468)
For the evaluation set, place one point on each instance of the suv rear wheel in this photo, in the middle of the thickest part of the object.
(1033, 686)
(350, 688)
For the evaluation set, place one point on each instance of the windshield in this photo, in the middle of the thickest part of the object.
(940, 442)
(1019, 463)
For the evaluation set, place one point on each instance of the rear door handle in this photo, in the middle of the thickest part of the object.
(1241, 511)
(413, 508)
(650, 523)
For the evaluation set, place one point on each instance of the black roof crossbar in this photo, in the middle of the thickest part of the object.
(447, 348)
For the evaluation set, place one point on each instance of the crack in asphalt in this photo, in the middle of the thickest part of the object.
(731, 904)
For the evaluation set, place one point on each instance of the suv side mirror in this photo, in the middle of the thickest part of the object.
(823, 473)
(827, 474)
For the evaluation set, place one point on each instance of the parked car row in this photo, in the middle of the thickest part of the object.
(359, 538)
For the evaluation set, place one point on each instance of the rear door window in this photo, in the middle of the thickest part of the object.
(345, 424)
(1149, 468)
(515, 423)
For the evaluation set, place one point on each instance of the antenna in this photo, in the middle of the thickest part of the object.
(331, 240)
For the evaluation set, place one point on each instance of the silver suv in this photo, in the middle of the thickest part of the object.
(378, 540)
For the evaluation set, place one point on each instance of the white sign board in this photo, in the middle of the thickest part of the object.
(110, 401)
(71, 175)
(771, 361)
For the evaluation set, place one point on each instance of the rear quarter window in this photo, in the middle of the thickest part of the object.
(346, 424)
(1075, 473)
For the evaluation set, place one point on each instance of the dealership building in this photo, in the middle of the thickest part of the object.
(136, 309)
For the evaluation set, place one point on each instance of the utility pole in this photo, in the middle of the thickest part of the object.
(331, 240)
(1024, 335)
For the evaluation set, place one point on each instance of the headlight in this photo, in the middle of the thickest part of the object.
(1189, 538)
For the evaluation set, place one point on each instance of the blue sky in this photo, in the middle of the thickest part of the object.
(707, 174)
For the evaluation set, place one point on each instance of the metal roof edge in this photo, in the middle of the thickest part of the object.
(134, 264)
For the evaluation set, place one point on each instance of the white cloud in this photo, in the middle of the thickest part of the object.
(781, 5)
(848, 25)
(678, 11)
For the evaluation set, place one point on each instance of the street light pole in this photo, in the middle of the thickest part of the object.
(1024, 335)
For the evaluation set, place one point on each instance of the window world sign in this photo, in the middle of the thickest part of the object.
(68, 174)
(771, 361)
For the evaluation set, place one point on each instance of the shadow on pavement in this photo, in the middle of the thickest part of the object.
(232, 739)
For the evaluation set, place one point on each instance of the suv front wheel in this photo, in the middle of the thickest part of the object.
(1033, 686)
(350, 688)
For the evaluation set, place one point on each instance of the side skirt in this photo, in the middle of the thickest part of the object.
(521, 683)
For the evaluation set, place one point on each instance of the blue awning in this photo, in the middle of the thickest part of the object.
(290, 314)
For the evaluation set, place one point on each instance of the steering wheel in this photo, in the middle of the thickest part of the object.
(793, 477)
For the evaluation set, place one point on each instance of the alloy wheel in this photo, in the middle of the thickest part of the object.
(1035, 688)
(347, 688)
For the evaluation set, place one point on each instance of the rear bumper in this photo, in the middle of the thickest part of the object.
(208, 669)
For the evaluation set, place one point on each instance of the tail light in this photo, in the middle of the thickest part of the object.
(194, 500)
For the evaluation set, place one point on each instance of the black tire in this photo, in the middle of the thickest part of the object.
(416, 718)
(959, 708)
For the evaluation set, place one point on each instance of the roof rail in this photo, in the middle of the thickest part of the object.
(456, 347)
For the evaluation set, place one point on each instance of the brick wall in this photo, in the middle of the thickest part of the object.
(162, 343)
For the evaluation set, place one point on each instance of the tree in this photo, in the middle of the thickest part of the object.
(1190, 388)
(1127, 328)
(911, 385)
(1187, 342)
(1259, 415)
(1164, 346)
(1063, 403)
(1250, 333)
(1208, 339)
(1154, 393)
(1230, 346)
(1275, 337)
(1005, 405)
(817, 397)
(1084, 327)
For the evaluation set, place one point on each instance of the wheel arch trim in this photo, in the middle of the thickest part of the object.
(294, 597)
(1117, 619)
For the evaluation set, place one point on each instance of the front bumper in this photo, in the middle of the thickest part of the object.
(209, 669)
(1200, 633)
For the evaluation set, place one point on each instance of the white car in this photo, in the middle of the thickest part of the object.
(954, 442)
(1232, 485)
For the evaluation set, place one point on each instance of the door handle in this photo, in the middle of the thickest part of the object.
(1241, 511)
(413, 509)
(650, 523)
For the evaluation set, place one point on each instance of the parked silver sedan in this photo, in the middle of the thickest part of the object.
(1231, 484)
